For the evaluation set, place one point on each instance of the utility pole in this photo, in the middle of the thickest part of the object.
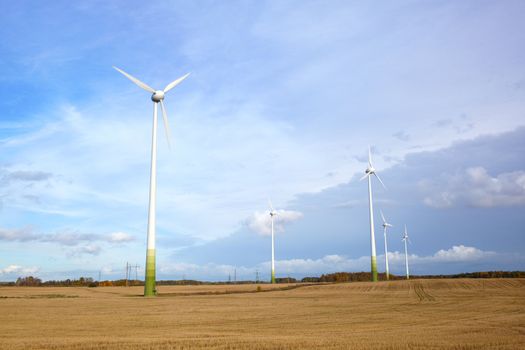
(235, 276)
(137, 272)
(229, 278)
(127, 273)
(136, 267)
(256, 276)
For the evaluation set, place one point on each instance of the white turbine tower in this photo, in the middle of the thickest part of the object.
(157, 97)
(368, 174)
(272, 214)
(385, 226)
(405, 239)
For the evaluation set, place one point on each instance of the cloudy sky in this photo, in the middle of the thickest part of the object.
(283, 100)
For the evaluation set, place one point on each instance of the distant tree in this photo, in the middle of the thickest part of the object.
(28, 281)
(285, 280)
(310, 279)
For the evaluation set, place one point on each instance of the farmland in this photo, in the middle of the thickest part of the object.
(429, 314)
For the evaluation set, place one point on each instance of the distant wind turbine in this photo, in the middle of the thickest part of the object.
(272, 214)
(405, 239)
(385, 226)
(368, 174)
(157, 97)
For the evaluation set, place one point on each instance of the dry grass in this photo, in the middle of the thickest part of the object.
(418, 314)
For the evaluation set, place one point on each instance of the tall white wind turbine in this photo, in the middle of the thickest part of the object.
(368, 174)
(405, 239)
(157, 97)
(272, 214)
(385, 226)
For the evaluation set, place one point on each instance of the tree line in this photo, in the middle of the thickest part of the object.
(337, 277)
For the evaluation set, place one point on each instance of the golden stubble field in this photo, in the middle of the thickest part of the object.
(416, 314)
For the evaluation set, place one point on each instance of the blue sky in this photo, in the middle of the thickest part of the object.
(283, 100)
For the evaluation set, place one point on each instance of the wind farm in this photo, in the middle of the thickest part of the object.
(253, 220)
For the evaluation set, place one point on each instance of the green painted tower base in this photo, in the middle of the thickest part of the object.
(149, 284)
(273, 276)
(374, 269)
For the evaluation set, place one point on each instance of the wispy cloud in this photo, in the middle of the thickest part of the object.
(120, 237)
(401, 135)
(89, 249)
(22, 235)
(24, 175)
(17, 269)
(67, 238)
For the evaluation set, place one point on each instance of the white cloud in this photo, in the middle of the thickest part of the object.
(23, 234)
(89, 249)
(475, 187)
(461, 253)
(120, 237)
(68, 238)
(17, 269)
(65, 238)
(326, 264)
(338, 263)
(332, 263)
(260, 222)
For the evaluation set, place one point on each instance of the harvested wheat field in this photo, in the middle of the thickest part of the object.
(416, 314)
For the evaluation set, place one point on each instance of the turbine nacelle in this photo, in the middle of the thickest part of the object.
(370, 170)
(405, 236)
(272, 211)
(157, 96)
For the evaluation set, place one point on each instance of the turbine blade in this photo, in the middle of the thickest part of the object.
(271, 206)
(135, 80)
(364, 177)
(175, 83)
(166, 124)
(380, 180)
(383, 217)
(369, 157)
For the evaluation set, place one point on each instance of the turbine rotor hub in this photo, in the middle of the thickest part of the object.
(370, 170)
(157, 96)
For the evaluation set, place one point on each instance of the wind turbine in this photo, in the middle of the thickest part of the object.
(272, 214)
(405, 239)
(368, 174)
(157, 97)
(385, 226)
